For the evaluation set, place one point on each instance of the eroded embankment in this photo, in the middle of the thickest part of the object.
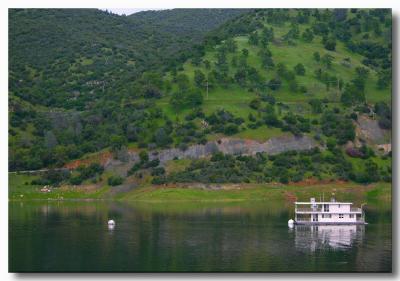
(225, 145)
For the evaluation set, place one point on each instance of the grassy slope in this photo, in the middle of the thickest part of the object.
(345, 191)
(236, 99)
(377, 192)
(20, 187)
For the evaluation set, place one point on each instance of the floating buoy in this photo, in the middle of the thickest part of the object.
(111, 224)
(290, 223)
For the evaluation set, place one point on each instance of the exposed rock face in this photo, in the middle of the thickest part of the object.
(278, 145)
(225, 145)
(236, 147)
(369, 130)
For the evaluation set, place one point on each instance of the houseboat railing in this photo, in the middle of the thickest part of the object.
(308, 209)
(352, 210)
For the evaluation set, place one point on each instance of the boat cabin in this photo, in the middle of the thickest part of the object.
(331, 212)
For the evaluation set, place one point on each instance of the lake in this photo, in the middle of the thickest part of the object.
(70, 236)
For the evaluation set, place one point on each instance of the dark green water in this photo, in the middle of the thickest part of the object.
(74, 236)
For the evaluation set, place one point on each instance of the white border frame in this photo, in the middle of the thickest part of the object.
(157, 4)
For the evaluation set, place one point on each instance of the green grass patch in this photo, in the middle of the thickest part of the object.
(177, 165)
(260, 134)
(20, 188)
(263, 192)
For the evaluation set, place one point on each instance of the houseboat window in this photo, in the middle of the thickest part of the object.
(339, 206)
(340, 216)
(326, 216)
(351, 216)
(326, 208)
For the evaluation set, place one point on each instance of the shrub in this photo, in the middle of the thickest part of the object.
(268, 98)
(231, 129)
(90, 171)
(317, 56)
(151, 164)
(331, 144)
(354, 116)
(316, 106)
(330, 44)
(303, 89)
(115, 180)
(52, 177)
(158, 171)
(284, 179)
(218, 156)
(159, 180)
(238, 120)
(76, 180)
(275, 84)
(255, 104)
(299, 69)
(385, 123)
(251, 117)
(136, 167)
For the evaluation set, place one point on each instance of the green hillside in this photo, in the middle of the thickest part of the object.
(72, 67)
(344, 64)
(269, 73)
(68, 58)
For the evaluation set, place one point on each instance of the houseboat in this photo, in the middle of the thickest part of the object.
(332, 212)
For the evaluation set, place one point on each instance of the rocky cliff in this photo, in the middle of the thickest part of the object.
(226, 145)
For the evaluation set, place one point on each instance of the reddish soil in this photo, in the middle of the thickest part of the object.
(101, 158)
(313, 181)
(290, 196)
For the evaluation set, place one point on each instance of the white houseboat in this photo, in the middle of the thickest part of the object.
(327, 213)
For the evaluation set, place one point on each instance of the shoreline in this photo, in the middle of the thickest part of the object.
(380, 191)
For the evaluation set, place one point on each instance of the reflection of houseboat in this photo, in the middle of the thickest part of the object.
(314, 237)
(327, 213)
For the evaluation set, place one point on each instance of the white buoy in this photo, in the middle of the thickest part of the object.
(290, 223)
(111, 222)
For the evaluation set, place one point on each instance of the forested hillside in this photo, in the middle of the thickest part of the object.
(170, 79)
(65, 58)
(81, 59)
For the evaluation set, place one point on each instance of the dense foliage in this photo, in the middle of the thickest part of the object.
(82, 81)
(285, 167)
(91, 70)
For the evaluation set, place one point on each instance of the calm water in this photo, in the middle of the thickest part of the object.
(74, 236)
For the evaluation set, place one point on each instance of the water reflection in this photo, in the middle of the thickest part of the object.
(233, 236)
(320, 237)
